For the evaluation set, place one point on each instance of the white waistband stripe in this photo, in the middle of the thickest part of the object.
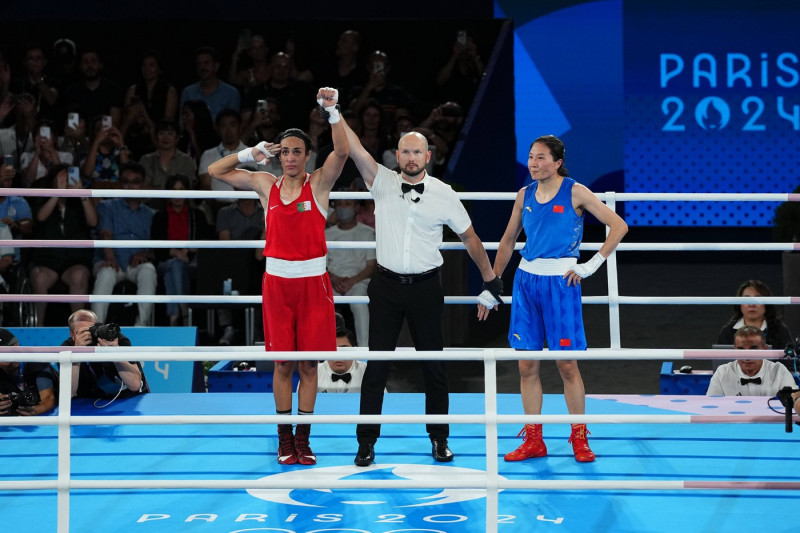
(548, 267)
(296, 269)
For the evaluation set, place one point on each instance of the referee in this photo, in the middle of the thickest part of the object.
(410, 209)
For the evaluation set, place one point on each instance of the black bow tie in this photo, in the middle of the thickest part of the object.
(745, 381)
(407, 187)
(344, 377)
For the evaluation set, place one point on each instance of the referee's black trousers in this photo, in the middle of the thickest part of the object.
(422, 305)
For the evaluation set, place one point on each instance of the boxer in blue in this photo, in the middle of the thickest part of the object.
(547, 294)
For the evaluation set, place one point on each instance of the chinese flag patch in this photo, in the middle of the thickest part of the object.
(565, 342)
(558, 209)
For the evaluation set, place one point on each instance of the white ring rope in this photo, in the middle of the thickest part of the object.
(336, 195)
(167, 420)
(370, 245)
(545, 484)
(43, 354)
(468, 300)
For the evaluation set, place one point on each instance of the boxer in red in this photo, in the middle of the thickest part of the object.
(296, 290)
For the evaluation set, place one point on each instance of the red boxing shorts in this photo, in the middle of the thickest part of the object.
(298, 314)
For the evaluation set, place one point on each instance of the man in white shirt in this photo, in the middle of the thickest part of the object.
(749, 377)
(351, 269)
(338, 375)
(411, 209)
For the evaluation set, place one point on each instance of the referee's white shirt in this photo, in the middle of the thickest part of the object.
(726, 380)
(408, 233)
(325, 381)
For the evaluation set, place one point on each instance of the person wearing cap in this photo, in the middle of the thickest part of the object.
(24, 380)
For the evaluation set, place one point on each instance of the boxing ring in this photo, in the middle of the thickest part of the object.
(206, 462)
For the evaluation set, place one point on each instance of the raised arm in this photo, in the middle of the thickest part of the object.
(330, 170)
(367, 166)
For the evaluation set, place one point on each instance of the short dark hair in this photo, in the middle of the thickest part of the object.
(90, 50)
(134, 167)
(166, 124)
(175, 178)
(296, 132)
(207, 50)
(32, 46)
(152, 53)
(227, 112)
(345, 332)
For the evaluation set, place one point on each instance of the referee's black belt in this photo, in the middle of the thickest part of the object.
(408, 279)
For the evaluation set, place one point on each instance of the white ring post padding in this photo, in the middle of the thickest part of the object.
(490, 409)
(64, 439)
(615, 335)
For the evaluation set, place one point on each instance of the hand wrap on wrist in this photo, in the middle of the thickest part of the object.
(495, 288)
(584, 270)
(246, 156)
(262, 147)
(330, 113)
(487, 300)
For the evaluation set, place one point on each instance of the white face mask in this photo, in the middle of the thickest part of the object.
(345, 214)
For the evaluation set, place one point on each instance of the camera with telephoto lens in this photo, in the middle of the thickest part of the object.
(107, 332)
(27, 398)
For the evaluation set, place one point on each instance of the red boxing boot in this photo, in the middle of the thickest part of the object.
(532, 444)
(580, 446)
(303, 449)
(286, 452)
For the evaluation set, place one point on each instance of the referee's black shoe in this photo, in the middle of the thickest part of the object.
(365, 455)
(440, 451)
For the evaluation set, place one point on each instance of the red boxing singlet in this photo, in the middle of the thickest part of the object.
(295, 232)
(297, 295)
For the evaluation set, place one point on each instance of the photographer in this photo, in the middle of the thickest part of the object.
(102, 379)
(25, 388)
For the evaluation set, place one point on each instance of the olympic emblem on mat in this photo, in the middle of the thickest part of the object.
(403, 498)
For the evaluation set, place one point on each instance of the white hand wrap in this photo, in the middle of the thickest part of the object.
(333, 112)
(487, 300)
(246, 155)
(584, 270)
(262, 147)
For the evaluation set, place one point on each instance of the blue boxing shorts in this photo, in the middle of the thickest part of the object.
(544, 307)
